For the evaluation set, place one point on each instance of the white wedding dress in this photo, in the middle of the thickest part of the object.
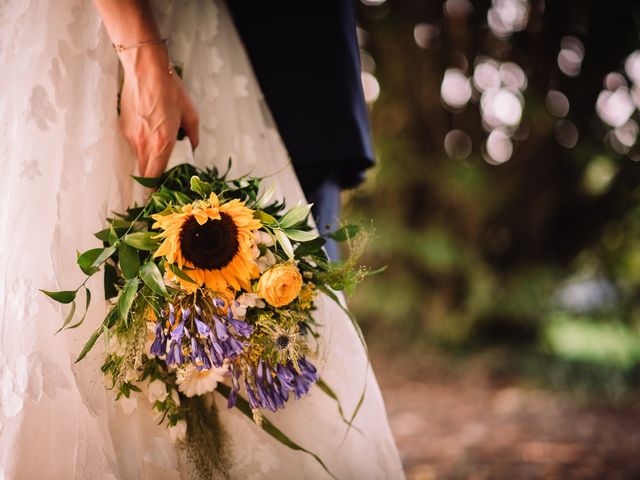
(63, 168)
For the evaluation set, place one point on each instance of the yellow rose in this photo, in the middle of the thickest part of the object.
(280, 285)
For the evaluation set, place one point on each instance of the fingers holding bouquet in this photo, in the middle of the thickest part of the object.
(154, 105)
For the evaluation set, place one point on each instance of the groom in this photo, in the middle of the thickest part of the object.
(305, 56)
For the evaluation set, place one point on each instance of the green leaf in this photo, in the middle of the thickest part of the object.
(149, 182)
(86, 259)
(331, 294)
(110, 235)
(201, 188)
(242, 183)
(362, 395)
(126, 298)
(113, 236)
(70, 315)
(162, 196)
(142, 240)
(326, 389)
(345, 233)
(112, 317)
(327, 291)
(129, 261)
(309, 248)
(120, 222)
(103, 256)
(264, 217)
(156, 302)
(135, 212)
(181, 198)
(264, 198)
(369, 273)
(270, 428)
(63, 296)
(284, 242)
(158, 202)
(153, 278)
(103, 235)
(90, 343)
(300, 235)
(86, 309)
(180, 273)
(295, 215)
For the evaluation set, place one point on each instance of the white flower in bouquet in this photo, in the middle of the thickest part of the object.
(157, 390)
(244, 301)
(128, 404)
(116, 347)
(266, 261)
(263, 238)
(192, 381)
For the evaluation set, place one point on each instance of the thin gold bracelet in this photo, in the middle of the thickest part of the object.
(121, 48)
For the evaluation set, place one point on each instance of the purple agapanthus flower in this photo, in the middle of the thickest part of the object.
(199, 337)
(253, 402)
(268, 387)
(174, 357)
(241, 327)
(159, 345)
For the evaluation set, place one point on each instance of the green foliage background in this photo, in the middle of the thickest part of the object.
(480, 255)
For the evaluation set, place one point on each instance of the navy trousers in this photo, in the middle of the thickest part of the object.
(326, 211)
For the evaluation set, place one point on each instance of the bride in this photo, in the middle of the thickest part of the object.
(65, 166)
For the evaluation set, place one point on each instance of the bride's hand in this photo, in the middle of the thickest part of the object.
(154, 103)
(153, 106)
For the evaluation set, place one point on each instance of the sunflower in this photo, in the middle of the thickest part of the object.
(211, 242)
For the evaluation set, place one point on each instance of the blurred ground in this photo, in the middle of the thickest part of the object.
(455, 419)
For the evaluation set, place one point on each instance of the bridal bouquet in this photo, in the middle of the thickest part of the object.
(212, 288)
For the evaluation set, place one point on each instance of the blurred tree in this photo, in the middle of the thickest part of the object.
(506, 132)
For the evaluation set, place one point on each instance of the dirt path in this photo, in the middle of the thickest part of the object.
(456, 423)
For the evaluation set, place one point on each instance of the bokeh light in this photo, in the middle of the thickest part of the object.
(373, 3)
(566, 133)
(457, 144)
(571, 56)
(486, 74)
(632, 66)
(598, 175)
(457, 8)
(501, 107)
(512, 76)
(557, 103)
(500, 86)
(508, 16)
(614, 80)
(498, 147)
(426, 34)
(615, 107)
(455, 89)
(622, 138)
(370, 86)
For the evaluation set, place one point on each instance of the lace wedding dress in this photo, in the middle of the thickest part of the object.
(63, 168)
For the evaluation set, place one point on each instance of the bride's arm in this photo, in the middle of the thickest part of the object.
(154, 103)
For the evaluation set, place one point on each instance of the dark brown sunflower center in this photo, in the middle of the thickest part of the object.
(282, 342)
(211, 245)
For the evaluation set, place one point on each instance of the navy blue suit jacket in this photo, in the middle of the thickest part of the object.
(306, 58)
